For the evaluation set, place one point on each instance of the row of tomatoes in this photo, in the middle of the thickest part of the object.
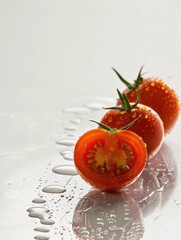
(113, 155)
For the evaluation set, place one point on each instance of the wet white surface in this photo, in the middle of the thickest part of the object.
(55, 75)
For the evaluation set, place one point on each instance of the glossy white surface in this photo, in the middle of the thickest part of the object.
(56, 55)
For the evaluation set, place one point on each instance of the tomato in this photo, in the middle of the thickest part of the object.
(156, 94)
(148, 125)
(110, 159)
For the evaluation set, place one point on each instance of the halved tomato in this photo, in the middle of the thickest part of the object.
(110, 159)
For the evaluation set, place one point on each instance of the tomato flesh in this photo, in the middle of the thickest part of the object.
(110, 160)
(104, 159)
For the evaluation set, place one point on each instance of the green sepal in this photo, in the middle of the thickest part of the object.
(136, 83)
(103, 126)
(129, 124)
(125, 104)
(107, 128)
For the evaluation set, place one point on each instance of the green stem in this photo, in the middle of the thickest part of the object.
(136, 83)
(105, 127)
(125, 104)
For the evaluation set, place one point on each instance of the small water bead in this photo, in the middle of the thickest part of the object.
(127, 218)
(100, 223)
(76, 120)
(77, 110)
(84, 230)
(143, 108)
(70, 128)
(47, 221)
(71, 135)
(39, 237)
(160, 81)
(164, 178)
(54, 189)
(39, 200)
(66, 142)
(69, 157)
(65, 170)
(66, 152)
(41, 229)
(94, 106)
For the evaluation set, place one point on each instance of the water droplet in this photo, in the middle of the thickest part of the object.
(76, 120)
(94, 106)
(54, 189)
(38, 200)
(67, 155)
(72, 128)
(65, 152)
(71, 135)
(47, 221)
(67, 142)
(38, 212)
(78, 110)
(164, 179)
(65, 170)
(39, 237)
(41, 229)
(100, 223)
(43, 214)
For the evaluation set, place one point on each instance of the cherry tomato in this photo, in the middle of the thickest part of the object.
(156, 94)
(148, 125)
(110, 159)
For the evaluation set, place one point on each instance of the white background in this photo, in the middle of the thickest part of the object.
(53, 52)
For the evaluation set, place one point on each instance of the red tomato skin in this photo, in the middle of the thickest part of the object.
(148, 126)
(109, 181)
(156, 94)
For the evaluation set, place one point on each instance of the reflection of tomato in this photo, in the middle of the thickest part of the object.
(109, 160)
(106, 215)
(145, 192)
(156, 183)
(165, 168)
(156, 94)
(148, 125)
